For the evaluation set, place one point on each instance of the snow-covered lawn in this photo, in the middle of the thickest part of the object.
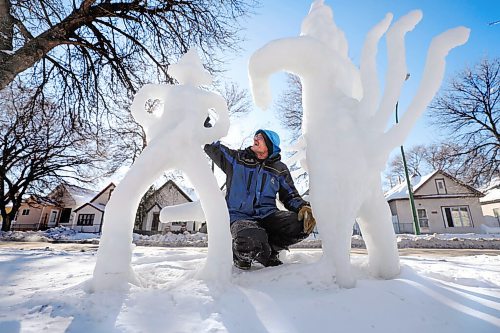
(42, 289)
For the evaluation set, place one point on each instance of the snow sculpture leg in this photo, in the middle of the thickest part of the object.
(113, 268)
(218, 240)
(174, 138)
(372, 220)
(342, 103)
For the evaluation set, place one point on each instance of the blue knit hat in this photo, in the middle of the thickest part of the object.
(272, 140)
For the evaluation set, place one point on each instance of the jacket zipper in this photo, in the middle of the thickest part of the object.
(249, 182)
(264, 178)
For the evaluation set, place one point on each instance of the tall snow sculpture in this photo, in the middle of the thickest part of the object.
(344, 126)
(175, 138)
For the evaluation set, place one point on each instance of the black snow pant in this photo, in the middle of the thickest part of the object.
(256, 240)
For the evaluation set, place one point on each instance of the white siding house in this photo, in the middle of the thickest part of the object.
(443, 203)
(89, 216)
(490, 204)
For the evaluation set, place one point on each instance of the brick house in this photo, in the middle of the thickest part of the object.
(148, 218)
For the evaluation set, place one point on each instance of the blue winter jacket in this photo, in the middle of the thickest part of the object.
(252, 184)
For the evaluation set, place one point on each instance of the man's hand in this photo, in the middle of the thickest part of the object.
(306, 215)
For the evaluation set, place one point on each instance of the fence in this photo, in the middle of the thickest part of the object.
(23, 227)
(402, 227)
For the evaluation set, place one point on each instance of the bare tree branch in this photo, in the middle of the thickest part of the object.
(38, 149)
(469, 111)
(289, 105)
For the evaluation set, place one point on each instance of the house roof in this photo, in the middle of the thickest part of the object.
(104, 190)
(99, 207)
(94, 197)
(494, 183)
(153, 206)
(492, 195)
(177, 187)
(79, 194)
(492, 192)
(40, 201)
(401, 191)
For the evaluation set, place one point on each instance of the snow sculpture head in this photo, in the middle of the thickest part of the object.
(344, 140)
(175, 133)
(191, 74)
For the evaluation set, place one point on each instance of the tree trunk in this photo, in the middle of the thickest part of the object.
(35, 49)
(6, 27)
(6, 221)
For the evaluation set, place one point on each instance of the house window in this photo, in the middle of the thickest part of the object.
(457, 216)
(65, 215)
(85, 219)
(26, 211)
(496, 212)
(441, 186)
(423, 221)
(53, 218)
(156, 220)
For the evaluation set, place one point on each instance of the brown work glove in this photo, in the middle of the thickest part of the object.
(306, 215)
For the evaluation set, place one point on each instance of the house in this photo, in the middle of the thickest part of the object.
(89, 217)
(57, 208)
(443, 204)
(148, 219)
(490, 204)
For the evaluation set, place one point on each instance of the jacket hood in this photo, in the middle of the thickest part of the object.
(274, 140)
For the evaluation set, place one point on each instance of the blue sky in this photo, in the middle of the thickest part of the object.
(282, 18)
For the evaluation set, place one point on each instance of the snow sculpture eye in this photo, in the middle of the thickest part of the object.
(154, 107)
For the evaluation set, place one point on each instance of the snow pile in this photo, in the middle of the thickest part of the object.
(24, 236)
(449, 241)
(434, 241)
(49, 235)
(490, 230)
(172, 240)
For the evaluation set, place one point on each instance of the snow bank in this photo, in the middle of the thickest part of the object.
(449, 241)
(431, 241)
(174, 240)
(49, 235)
(490, 230)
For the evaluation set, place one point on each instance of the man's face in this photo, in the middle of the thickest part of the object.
(259, 145)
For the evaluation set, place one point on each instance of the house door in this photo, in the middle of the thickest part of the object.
(52, 219)
(156, 221)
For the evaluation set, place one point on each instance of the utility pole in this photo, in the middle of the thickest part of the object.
(408, 181)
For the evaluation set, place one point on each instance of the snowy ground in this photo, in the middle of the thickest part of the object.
(42, 289)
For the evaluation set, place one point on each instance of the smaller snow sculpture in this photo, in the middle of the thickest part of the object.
(175, 138)
(343, 129)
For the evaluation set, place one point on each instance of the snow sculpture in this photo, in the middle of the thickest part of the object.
(175, 137)
(344, 126)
